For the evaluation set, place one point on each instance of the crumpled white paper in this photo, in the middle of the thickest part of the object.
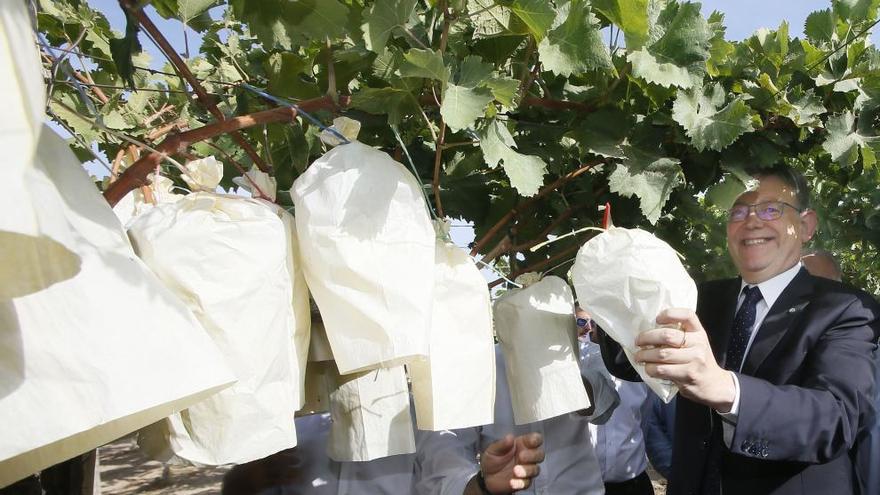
(230, 259)
(203, 174)
(368, 254)
(33, 255)
(624, 278)
(535, 326)
(371, 416)
(258, 183)
(455, 386)
(344, 126)
(102, 353)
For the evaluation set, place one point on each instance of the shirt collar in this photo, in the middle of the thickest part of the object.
(773, 287)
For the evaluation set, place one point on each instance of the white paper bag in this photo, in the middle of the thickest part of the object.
(228, 258)
(99, 355)
(33, 239)
(368, 254)
(535, 326)
(371, 416)
(455, 386)
(624, 278)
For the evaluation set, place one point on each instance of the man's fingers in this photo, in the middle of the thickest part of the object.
(526, 470)
(530, 456)
(666, 337)
(501, 447)
(678, 373)
(684, 317)
(520, 484)
(665, 355)
(531, 440)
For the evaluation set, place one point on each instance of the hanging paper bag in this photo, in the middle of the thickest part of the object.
(98, 355)
(368, 255)
(371, 416)
(455, 386)
(535, 326)
(228, 258)
(33, 237)
(647, 277)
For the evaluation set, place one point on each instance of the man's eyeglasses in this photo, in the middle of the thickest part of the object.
(768, 210)
(586, 323)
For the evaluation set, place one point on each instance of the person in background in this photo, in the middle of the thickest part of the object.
(658, 426)
(822, 264)
(446, 460)
(619, 444)
(775, 368)
(306, 468)
(867, 455)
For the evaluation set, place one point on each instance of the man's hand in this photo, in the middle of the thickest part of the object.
(685, 357)
(509, 464)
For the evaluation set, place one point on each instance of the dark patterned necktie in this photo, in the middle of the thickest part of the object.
(742, 328)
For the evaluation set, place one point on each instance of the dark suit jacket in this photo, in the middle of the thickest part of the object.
(805, 393)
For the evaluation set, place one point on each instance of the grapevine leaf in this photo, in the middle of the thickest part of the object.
(491, 20)
(384, 17)
(651, 179)
(725, 192)
(538, 15)
(526, 172)
(819, 26)
(856, 10)
(629, 15)
(576, 45)
(503, 89)
(678, 47)
(603, 132)
(473, 72)
(123, 49)
(706, 122)
(424, 63)
(845, 141)
(806, 108)
(463, 106)
(397, 103)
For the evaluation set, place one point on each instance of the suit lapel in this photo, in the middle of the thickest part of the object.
(787, 308)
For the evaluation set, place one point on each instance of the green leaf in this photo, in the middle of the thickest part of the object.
(463, 106)
(819, 26)
(725, 192)
(396, 103)
(473, 72)
(384, 17)
(678, 46)
(706, 122)
(285, 22)
(576, 45)
(290, 76)
(856, 10)
(123, 49)
(424, 63)
(604, 132)
(504, 89)
(647, 67)
(491, 20)
(651, 182)
(845, 141)
(629, 15)
(538, 15)
(806, 108)
(526, 172)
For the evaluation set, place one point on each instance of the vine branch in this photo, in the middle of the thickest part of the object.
(182, 69)
(528, 203)
(136, 175)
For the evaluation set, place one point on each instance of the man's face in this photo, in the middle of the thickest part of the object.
(762, 249)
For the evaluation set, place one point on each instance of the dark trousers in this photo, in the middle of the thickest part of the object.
(640, 485)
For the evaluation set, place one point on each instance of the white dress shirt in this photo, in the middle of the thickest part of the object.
(447, 460)
(320, 475)
(619, 443)
(770, 289)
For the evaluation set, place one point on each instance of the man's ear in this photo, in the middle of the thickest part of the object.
(809, 222)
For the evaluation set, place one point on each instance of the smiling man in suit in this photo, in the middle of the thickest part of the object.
(774, 369)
